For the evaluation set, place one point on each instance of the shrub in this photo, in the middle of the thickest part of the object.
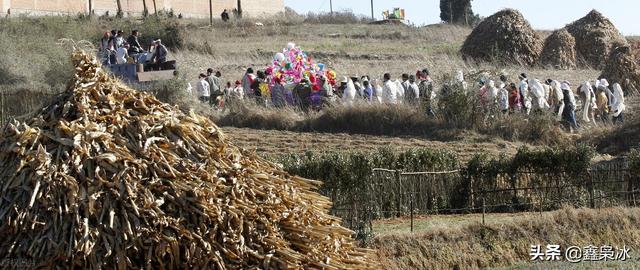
(349, 180)
(173, 91)
(360, 118)
(250, 115)
(537, 127)
(348, 171)
(459, 108)
(573, 160)
(377, 119)
(530, 168)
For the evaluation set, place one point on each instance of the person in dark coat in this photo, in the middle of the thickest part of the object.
(255, 87)
(302, 93)
(278, 94)
(134, 44)
(225, 15)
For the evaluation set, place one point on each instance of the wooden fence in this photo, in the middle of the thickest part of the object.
(393, 193)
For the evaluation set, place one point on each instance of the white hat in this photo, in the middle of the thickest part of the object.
(345, 80)
(604, 82)
(565, 86)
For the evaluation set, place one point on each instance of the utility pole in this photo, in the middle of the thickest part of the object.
(372, 17)
(90, 7)
(210, 13)
(331, 6)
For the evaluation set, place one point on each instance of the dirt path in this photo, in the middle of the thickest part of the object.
(275, 142)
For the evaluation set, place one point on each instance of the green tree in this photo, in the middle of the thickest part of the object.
(457, 12)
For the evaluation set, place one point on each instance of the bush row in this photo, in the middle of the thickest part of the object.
(349, 171)
(349, 179)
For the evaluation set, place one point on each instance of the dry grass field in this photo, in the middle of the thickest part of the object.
(462, 242)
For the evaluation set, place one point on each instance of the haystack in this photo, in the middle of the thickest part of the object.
(107, 177)
(505, 36)
(621, 67)
(559, 50)
(595, 37)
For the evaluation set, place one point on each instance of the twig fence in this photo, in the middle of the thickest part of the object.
(394, 193)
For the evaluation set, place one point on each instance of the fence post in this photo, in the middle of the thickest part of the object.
(631, 196)
(541, 202)
(399, 208)
(2, 107)
(411, 211)
(483, 209)
(592, 203)
(471, 191)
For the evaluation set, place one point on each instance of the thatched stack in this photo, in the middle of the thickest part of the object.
(559, 51)
(595, 37)
(108, 177)
(621, 67)
(505, 36)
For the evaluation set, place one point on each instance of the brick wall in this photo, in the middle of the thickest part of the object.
(188, 8)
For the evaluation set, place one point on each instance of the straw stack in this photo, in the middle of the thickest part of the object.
(506, 37)
(595, 37)
(621, 67)
(559, 51)
(108, 177)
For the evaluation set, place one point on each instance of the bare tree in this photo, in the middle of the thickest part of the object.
(155, 8)
(145, 11)
(119, 13)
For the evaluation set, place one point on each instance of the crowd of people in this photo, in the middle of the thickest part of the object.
(597, 102)
(115, 49)
(314, 94)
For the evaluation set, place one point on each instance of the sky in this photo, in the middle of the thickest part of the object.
(542, 14)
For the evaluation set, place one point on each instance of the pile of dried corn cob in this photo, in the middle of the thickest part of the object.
(108, 177)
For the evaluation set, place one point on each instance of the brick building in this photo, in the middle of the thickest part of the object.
(188, 8)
